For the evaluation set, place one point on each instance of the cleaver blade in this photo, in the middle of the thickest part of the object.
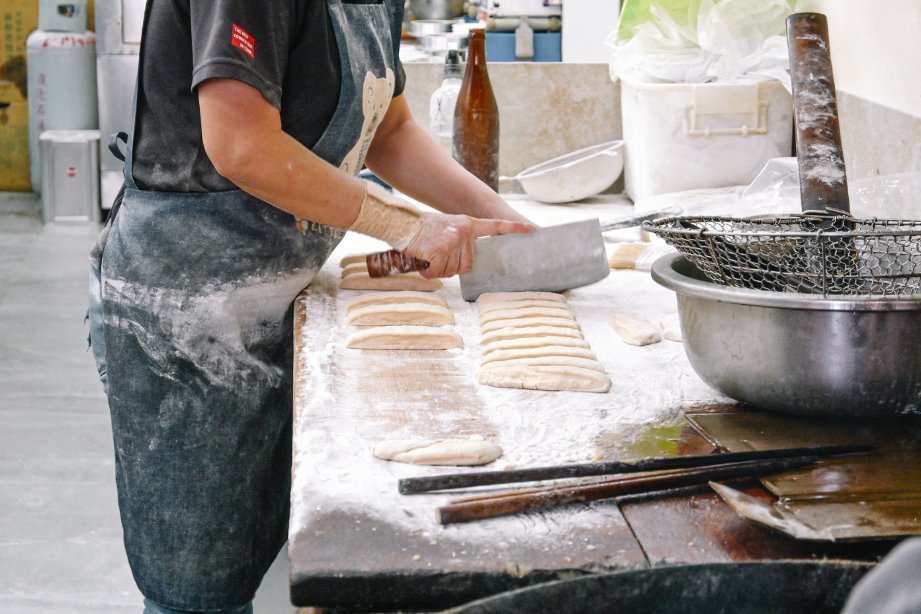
(551, 259)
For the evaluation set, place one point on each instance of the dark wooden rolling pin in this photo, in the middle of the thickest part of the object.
(503, 504)
(823, 181)
(408, 486)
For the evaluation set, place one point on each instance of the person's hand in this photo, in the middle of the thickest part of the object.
(447, 241)
(444, 241)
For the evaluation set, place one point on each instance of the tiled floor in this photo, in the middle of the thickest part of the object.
(60, 536)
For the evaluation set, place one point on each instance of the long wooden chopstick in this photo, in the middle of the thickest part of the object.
(408, 486)
(478, 508)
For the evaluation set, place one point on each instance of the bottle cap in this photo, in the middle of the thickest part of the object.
(452, 64)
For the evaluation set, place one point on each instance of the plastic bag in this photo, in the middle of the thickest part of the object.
(700, 41)
(776, 191)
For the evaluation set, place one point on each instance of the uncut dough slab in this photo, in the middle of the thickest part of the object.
(671, 328)
(405, 281)
(394, 298)
(533, 332)
(544, 378)
(539, 352)
(635, 330)
(501, 305)
(548, 361)
(353, 269)
(353, 259)
(527, 312)
(529, 322)
(438, 451)
(498, 297)
(419, 314)
(405, 338)
(523, 343)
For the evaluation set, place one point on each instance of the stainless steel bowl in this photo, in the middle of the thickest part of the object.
(799, 353)
(438, 44)
(437, 9)
(427, 27)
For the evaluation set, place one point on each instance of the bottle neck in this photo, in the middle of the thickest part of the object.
(476, 52)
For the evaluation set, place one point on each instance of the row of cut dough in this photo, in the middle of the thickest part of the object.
(404, 319)
(532, 340)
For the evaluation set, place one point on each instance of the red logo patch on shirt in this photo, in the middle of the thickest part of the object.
(242, 40)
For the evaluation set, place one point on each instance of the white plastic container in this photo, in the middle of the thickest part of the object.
(687, 136)
(70, 177)
(61, 86)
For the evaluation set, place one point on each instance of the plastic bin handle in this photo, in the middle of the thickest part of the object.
(726, 109)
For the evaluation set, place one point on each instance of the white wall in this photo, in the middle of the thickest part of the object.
(875, 50)
(586, 25)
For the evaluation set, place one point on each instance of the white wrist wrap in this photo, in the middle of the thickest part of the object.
(386, 217)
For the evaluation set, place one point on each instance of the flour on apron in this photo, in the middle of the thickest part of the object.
(191, 325)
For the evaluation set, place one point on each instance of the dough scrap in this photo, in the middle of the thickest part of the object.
(527, 312)
(405, 338)
(539, 341)
(499, 305)
(533, 332)
(539, 352)
(544, 378)
(529, 322)
(548, 361)
(394, 298)
(353, 269)
(438, 451)
(671, 328)
(353, 259)
(635, 330)
(404, 281)
(498, 297)
(419, 314)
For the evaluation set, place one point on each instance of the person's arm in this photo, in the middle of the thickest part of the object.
(243, 138)
(404, 155)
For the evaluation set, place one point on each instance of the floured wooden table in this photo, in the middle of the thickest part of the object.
(356, 543)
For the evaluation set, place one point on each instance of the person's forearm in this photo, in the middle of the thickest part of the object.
(406, 157)
(288, 175)
(245, 142)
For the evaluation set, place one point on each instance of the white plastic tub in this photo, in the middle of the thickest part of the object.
(687, 136)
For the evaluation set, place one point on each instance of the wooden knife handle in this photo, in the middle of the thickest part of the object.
(384, 264)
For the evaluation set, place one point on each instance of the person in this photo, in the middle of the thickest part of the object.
(892, 586)
(251, 122)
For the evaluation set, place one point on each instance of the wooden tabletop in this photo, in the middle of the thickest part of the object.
(356, 543)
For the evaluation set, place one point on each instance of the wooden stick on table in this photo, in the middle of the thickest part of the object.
(489, 506)
(423, 484)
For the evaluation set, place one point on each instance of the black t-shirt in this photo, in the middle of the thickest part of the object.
(286, 49)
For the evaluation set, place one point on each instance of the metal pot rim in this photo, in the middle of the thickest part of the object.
(674, 271)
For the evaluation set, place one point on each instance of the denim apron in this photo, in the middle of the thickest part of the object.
(191, 326)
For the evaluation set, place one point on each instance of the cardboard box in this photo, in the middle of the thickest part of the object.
(17, 19)
(14, 135)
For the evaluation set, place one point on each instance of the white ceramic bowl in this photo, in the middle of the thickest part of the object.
(576, 175)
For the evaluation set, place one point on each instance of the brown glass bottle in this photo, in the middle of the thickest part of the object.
(476, 117)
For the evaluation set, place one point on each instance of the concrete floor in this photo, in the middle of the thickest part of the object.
(60, 536)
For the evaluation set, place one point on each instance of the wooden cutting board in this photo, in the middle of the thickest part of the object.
(867, 496)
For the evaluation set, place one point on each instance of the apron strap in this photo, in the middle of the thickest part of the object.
(130, 137)
(113, 144)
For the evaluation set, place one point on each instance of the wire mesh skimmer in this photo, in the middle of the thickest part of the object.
(829, 254)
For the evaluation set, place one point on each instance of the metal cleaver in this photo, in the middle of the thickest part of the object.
(552, 258)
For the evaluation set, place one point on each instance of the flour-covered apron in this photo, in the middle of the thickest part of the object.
(191, 324)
